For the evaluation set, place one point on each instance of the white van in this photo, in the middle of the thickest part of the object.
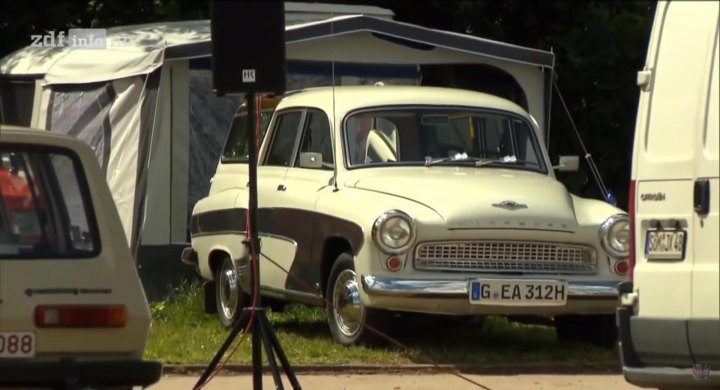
(669, 317)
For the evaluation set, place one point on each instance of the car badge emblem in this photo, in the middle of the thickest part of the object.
(510, 205)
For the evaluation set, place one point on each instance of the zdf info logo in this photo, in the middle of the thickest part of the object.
(79, 38)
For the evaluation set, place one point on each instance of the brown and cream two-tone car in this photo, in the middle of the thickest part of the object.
(390, 199)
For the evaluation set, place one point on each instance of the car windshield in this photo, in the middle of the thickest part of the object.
(45, 209)
(441, 136)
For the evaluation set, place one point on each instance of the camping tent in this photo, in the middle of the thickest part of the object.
(146, 106)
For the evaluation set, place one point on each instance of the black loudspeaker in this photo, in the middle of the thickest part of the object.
(248, 46)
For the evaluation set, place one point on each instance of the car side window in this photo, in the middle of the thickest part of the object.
(317, 138)
(283, 139)
(236, 146)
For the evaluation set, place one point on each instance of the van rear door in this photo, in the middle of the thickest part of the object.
(704, 324)
(670, 124)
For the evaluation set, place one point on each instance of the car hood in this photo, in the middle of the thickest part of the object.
(481, 198)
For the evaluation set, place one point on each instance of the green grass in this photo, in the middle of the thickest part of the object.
(182, 333)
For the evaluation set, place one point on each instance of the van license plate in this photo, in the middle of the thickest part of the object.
(502, 292)
(17, 345)
(665, 244)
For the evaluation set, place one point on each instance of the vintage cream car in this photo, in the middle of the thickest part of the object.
(387, 199)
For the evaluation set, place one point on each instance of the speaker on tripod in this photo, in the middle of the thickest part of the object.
(248, 46)
(248, 58)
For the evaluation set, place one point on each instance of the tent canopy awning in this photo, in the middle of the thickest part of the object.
(424, 42)
(133, 50)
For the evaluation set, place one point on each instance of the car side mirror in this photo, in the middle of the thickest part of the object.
(311, 160)
(568, 164)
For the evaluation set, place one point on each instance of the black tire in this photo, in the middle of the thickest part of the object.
(349, 327)
(597, 329)
(230, 299)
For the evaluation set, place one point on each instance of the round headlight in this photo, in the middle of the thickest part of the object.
(394, 231)
(615, 235)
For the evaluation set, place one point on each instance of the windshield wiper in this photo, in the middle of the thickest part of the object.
(458, 157)
(465, 158)
(502, 160)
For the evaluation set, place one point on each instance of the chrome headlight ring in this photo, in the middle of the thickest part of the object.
(615, 236)
(394, 232)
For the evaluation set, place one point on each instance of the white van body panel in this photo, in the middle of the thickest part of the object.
(672, 330)
(676, 144)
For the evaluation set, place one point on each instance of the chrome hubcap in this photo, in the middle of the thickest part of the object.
(228, 291)
(347, 310)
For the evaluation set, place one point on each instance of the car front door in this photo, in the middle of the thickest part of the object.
(277, 247)
(308, 178)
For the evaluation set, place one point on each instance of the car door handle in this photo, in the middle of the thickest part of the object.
(701, 197)
(281, 187)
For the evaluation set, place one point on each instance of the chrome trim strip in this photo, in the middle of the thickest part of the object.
(458, 288)
(292, 294)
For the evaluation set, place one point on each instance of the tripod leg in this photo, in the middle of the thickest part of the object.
(257, 353)
(269, 351)
(281, 354)
(241, 324)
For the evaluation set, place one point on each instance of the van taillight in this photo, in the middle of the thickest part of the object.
(81, 316)
(631, 211)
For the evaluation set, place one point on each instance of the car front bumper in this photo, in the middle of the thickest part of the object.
(78, 373)
(451, 296)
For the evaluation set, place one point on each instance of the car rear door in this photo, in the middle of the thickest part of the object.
(665, 175)
(65, 291)
(704, 324)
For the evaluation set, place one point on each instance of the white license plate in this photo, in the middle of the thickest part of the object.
(665, 244)
(518, 292)
(17, 345)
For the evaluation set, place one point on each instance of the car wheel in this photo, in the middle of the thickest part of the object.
(598, 329)
(346, 314)
(230, 299)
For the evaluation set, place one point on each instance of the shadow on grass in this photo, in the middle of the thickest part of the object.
(432, 339)
(450, 340)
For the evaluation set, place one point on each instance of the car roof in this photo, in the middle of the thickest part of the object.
(28, 135)
(343, 99)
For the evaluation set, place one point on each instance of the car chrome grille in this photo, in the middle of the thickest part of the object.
(505, 256)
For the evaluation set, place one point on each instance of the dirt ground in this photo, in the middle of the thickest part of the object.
(409, 382)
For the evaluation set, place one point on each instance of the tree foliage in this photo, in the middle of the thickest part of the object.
(599, 47)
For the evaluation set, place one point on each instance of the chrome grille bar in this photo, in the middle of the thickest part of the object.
(505, 256)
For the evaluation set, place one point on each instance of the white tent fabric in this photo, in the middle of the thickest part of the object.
(89, 114)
